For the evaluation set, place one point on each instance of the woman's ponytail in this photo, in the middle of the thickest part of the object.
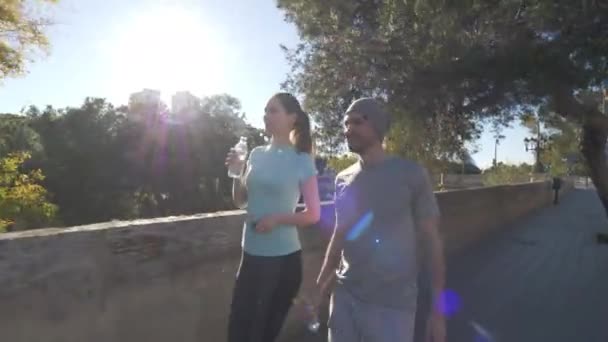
(301, 136)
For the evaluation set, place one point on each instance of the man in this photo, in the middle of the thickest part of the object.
(384, 204)
(557, 185)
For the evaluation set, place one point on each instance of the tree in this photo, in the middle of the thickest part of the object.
(104, 162)
(562, 154)
(524, 54)
(357, 48)
(507, 174)
(85, 162)
(464, 60)
(190, 175)
(340, 163)
(16, 135)
(21, 34)
(24, 202)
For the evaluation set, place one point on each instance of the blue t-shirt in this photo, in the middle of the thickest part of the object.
(274, 176)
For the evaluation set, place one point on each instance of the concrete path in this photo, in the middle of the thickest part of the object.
(543, 279)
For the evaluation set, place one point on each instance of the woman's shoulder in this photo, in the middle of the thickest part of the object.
(259, 149)
(304, 157)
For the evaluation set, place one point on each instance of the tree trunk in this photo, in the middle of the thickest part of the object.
(593, 147)
(595, 133)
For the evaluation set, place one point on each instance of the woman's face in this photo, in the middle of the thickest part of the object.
(276, 119)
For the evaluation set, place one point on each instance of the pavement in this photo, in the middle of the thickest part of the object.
(544, 278)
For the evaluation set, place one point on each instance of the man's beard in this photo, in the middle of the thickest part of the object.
(356, 148)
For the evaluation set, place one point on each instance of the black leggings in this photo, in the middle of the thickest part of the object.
(264, 290)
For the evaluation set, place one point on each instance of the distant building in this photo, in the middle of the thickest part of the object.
(146, 97)
(184, 100)
(143, 103)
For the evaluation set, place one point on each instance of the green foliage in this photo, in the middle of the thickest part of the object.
(562, 155)
(103, 162)
(340, 163)
(507, 174)
(24, 202)
(21, 34)
(460, 168)
(446, 66)
(16, 135)
(374, 48)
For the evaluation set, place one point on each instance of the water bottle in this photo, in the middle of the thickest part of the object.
(313, 324)
(235, 170)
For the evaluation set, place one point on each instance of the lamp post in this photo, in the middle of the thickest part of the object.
(495, 161)
(537, 145)
(604, 96)
(497, 138)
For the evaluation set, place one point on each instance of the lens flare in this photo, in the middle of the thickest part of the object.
(481, 334)
(450, 303)
(361, 225)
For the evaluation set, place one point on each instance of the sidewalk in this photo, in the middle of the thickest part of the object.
(543, 279)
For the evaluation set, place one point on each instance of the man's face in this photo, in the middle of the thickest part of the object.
(359, 132)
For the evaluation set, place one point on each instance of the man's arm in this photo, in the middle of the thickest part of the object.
(327, 275)
(431, 239)
(342, 207)
(426, 213)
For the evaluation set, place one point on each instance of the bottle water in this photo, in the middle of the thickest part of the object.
(313, 323)
(235, 170)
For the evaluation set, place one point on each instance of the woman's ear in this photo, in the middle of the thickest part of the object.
(293, 117)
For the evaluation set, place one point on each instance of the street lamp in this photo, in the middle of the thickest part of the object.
(495, 161)
(496, 143)
(537, 145)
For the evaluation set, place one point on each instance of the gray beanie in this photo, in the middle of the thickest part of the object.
(372, 110)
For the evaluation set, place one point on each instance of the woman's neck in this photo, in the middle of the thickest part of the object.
(280, 140)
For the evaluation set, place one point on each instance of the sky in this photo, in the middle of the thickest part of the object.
(112, 48)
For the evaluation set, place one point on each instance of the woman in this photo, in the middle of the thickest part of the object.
(270, 272)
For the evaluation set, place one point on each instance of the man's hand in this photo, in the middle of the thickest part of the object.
(435, 328)
(322, 290)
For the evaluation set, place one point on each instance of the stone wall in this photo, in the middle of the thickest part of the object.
(458, 181)
(171, 278)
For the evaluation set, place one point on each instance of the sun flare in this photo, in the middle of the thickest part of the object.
(169, 49)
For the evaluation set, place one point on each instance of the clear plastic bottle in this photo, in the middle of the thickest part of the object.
(312, 316)
(240, 149)
(313, 323)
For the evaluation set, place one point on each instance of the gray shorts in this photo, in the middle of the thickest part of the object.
(351, 320)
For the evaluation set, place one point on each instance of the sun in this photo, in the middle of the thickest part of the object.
(169, 49)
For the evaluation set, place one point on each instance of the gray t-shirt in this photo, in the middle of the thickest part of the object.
(381, 205)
